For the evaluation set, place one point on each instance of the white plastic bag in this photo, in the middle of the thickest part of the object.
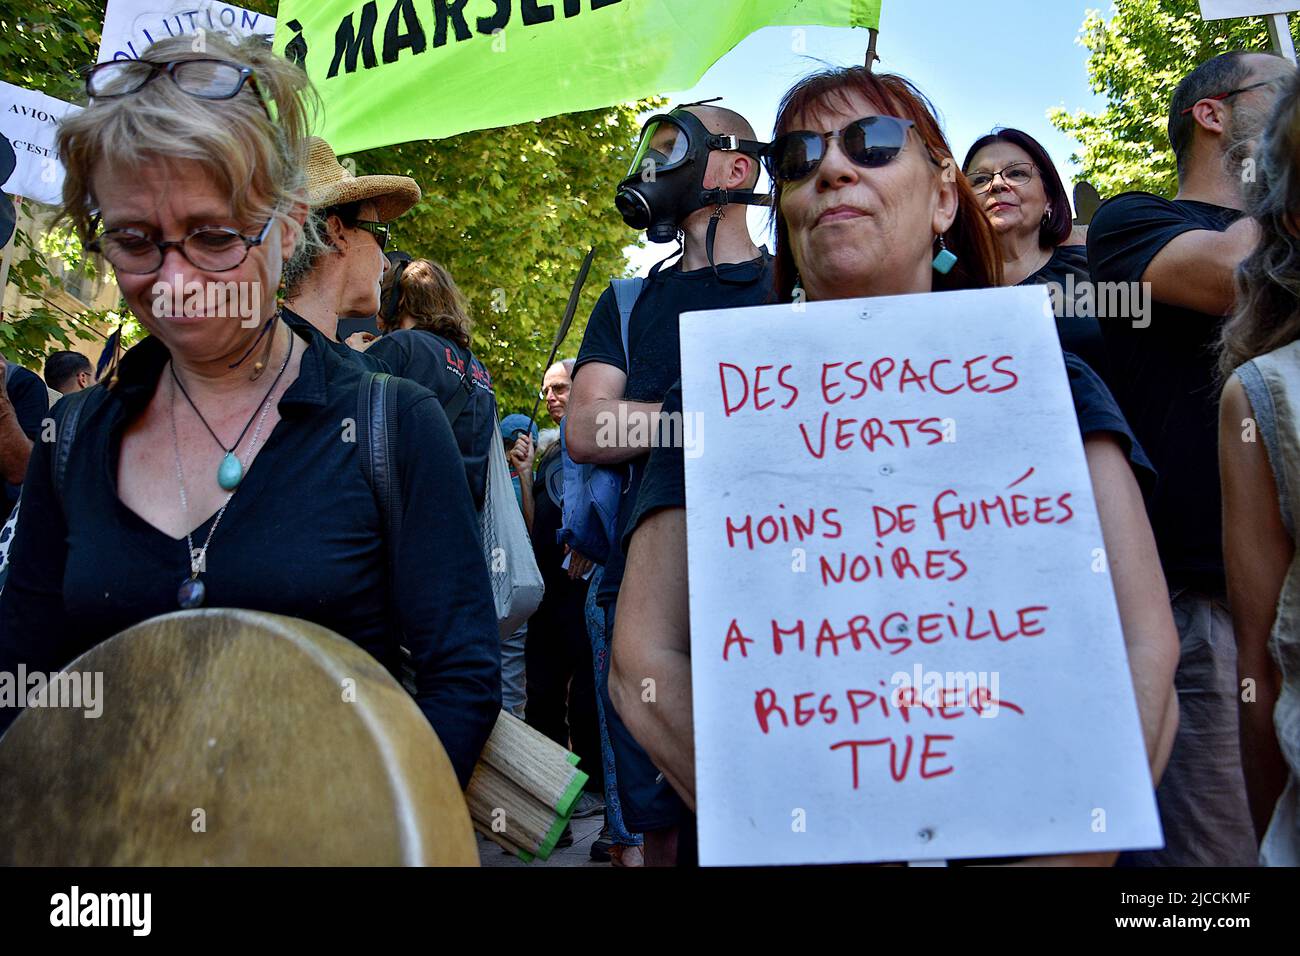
(517, 584)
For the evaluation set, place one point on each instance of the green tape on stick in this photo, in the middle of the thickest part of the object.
(571, 793)
(553, 837)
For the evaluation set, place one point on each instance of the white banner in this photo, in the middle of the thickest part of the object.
(1225, 9)
(904, 639)
(130, 26)
(29, 120)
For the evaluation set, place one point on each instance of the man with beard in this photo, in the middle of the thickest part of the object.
(1163, 372)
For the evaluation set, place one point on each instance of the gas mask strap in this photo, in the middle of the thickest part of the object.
(681, 248)
(719, 213)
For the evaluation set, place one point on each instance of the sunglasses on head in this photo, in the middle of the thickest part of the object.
(205, 78)
(871, 142)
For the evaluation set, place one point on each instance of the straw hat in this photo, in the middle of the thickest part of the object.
(330, 184)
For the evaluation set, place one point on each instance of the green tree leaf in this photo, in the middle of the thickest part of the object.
(1137, 59)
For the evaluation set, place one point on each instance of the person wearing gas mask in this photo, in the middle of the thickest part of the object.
(693, 172)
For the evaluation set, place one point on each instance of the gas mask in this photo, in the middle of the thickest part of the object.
(665, 183)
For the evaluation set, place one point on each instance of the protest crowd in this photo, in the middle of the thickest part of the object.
(209, 465)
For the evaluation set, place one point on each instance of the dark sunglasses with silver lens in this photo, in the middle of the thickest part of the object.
(208, 79)
(871, 142)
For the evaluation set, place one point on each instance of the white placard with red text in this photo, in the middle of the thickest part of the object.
(901, 480)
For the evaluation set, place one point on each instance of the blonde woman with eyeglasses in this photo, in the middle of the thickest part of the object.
(216, 468)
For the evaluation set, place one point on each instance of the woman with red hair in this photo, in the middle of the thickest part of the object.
(869, 202)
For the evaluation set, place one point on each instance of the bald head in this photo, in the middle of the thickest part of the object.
(718, 119)
(555, 388)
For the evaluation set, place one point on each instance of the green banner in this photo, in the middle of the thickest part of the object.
(390, 71)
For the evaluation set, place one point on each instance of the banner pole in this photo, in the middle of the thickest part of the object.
(1279, 34)
(7, 259)
(872, 57)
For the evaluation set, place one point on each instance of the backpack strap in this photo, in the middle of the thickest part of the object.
(69, 409)
(464, 393)
(376, 410)
(374, 441)
(626, 292)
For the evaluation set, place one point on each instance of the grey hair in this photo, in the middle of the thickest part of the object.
(259, 162)
(1267, 315)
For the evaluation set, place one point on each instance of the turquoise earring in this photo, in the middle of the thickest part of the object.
(944, 260)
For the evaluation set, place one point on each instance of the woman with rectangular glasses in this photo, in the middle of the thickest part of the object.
(1027, 205)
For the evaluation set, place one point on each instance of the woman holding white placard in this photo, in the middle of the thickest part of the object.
(869, 202)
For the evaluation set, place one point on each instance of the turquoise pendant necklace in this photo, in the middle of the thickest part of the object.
(193, 592)
(231, 470)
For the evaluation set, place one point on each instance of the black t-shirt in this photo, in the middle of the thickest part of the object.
(548, 513)
(1164, 380)
(370, 363)
(31, 401)
(664, 485)
(1080, 334)
(654, 343)
(438, 364)
(302, 536)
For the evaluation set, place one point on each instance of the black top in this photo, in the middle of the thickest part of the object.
(1077, 325)
(654, 343)
(302, 537)
(1164, 380)
(346, 352)
(665, 477)
(31, 400)
(548, 515)
(438, 364)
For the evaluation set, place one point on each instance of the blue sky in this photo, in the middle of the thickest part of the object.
(983, 65)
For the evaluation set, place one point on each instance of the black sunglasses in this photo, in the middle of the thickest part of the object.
(871, 142)
(380, 230)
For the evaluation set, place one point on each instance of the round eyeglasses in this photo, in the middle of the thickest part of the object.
(1017, 174)
(210, 248)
